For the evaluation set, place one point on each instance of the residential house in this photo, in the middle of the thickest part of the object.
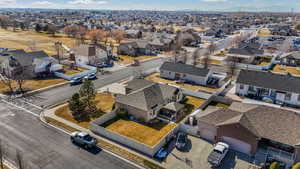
(29, 64)
(135, 49)
(133, 34)
(188, 73)
(251, 129)
(189, 37)
(89, 54)
(280, 88)
(246, 52)
(291, 59)
(147, 101)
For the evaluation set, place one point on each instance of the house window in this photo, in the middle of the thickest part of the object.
(288, 96)
(251, 88)
(242, 87)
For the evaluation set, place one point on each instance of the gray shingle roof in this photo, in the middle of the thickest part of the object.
(269, 80)
(148, 96)
(265, 122)
(184, 68)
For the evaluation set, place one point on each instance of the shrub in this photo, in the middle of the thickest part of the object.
(122, 113)
(296, 166)
(275, 165)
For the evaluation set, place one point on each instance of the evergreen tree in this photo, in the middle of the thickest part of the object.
(77, 107)
(38, 28)
(88, 93)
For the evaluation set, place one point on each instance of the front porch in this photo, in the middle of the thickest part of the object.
(269, 151)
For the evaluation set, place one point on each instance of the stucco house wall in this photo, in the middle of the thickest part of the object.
(238, 132)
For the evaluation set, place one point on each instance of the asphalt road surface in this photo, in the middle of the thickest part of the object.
(57, 95)
(44, 147)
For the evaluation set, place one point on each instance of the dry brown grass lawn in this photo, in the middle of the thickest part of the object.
(103, 101)
(141, 133)
(211, 61)
(34, 84)
(129, 60)
(196, 102)
(68, 71)
(156, 78)
(60, 124)
(286, 69)
(264, 32)
(24, 39)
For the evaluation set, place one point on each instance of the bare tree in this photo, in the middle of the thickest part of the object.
(7, 80)
(195, 56)
(20, 78)
(206, 59)
(52, 29)
(212, 48)
(58, 48)
(118, 35)
(4, 21)
(231, 64)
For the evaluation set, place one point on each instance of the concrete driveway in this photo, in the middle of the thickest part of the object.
(195, 156)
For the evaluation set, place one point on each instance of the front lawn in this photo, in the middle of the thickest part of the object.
(104, 103)
(286, 69)
(125, 60)
(68, 71)
(155, 77)
(147, 134)
(31, 85)
(194, 102)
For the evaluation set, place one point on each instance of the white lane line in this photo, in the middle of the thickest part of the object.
(28, 111)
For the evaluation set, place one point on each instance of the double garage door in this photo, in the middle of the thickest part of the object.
(208, 134)
(237, 145)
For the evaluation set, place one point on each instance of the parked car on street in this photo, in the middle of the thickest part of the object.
(181, 141)
(83, 139)
(91, 76)
(76, 81)
(218, 154)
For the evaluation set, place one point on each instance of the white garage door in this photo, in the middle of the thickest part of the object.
(207, 134)
(238, 145)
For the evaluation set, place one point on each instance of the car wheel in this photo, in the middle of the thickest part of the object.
(86, 146)
(72, 140)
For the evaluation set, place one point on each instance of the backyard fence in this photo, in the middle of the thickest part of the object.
(126, 141)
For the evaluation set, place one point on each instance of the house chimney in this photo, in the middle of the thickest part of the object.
(92, 50)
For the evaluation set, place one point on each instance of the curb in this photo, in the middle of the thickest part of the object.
(9, 164)
(45, 89)
(106, 150)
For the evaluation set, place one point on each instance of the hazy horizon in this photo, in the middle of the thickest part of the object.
(166, 5)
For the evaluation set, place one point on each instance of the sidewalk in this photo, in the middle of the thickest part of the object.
(51, 113)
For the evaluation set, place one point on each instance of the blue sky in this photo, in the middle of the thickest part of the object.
(204, 5)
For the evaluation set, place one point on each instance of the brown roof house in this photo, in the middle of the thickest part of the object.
(250, 128)
(89, 54)
(146, 100)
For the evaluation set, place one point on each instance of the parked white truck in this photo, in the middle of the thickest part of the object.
(218, 154)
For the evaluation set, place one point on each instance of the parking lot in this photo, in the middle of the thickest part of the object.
(195, 156)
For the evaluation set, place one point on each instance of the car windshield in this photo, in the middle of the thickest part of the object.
(181, 139)
(88, 138)
(217, 151)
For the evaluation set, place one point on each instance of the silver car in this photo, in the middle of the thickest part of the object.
(83, 139)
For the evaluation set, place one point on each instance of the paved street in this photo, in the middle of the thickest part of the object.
(62, 93)
(195, 156)
(47, 148)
